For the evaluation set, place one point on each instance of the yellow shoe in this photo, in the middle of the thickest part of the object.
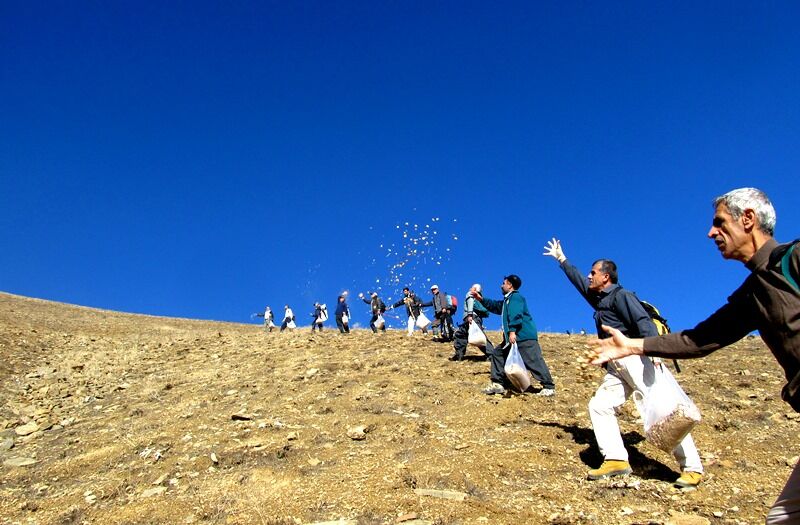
(610, 467)
(689, 480)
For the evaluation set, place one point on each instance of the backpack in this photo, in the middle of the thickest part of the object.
(453, 302)
(323, 312)
(786, 269)
(655, 316)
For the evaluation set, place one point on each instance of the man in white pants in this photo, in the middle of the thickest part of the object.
(413, 309)
(617, 307)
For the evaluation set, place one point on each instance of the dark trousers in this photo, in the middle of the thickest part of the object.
(445, 324)
(372, 324)
(315, 324)
(531, 353)
(461, 340)
(343, 328)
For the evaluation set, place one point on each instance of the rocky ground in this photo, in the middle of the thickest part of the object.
(115, 418)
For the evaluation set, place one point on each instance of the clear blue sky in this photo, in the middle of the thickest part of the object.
(203, 160)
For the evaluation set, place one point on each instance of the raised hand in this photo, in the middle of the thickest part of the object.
(553, 249)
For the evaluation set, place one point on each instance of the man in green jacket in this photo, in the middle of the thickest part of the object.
(519, 328)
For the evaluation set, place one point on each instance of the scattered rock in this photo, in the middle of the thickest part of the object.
(677, 518)
(19, 462)
(358, 433)
(6, 444)
(444, 494)
(155, 491)
(26, 429)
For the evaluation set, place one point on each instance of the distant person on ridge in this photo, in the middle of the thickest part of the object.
(377, 308)
(343, 315)
(442, 313)
(519, 328)
(288, 318)
(318, 320)
(269, 319)
(618, 307)
(742, 228)
(474, 312)
(413, 305)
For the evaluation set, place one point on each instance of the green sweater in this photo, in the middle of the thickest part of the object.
(516, 317)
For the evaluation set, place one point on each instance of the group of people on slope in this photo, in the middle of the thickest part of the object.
(628, 345)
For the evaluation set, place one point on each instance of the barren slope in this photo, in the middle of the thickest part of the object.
(137, 419)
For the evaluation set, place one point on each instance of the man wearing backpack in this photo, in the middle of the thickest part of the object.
(768, 301)
(442, 311)
(617, 307)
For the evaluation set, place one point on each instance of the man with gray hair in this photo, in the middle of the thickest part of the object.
(768, 301)
(474, 312)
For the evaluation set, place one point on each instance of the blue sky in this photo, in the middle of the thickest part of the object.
(202, 160)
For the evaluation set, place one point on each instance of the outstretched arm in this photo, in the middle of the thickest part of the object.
(615, 347)
(553, 249)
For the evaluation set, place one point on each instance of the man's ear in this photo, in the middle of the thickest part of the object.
(749, 219)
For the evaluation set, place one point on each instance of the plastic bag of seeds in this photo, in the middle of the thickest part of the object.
(668, 413)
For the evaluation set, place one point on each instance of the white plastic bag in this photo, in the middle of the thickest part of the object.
(668, 413)
(422, 321)
(291, 324)
(476, 337)
(379, 322)
(516, 371)
(323, 313)
(345, 319)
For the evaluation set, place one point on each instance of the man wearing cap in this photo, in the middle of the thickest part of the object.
(377, 307)
(474, 312)
(519, 328)
(441, 309)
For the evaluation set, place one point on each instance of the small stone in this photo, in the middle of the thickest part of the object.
(214, 458)
(19, 462)
(26, 429)
(461, 446)
(718, 514)
(155, 491)
(292, 436)
(407, 517)
(311, 372)
(6, 444)
(792, 461)
(357, 433)
(314, 462)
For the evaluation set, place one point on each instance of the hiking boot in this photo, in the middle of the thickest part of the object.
(688, 480)
(546, 392)
(494, 388)
(610, 467)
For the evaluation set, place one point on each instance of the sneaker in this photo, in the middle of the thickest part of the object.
(546, 392)
(494, 388)
(610, 467)
(689, 480)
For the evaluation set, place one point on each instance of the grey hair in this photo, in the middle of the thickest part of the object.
(477, 287)
(750, 199)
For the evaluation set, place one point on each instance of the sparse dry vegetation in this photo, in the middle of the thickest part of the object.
(137, 419)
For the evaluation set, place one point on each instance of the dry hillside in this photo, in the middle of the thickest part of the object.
(116, 418)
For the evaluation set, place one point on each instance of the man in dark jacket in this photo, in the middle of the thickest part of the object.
(620, 308)
(342, 315)
(442, 313)
(413, 309)
(519, 328)
(768, 301)
(377, 308)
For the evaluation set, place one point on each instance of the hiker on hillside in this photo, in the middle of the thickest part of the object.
(377, 308)
(288, 319)
(342, 315)
(519, 328)
(474, 312)
(618, 307)
(269, 319)
(442, 313)
(318, 317)
(768, 301)
(413, 309)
